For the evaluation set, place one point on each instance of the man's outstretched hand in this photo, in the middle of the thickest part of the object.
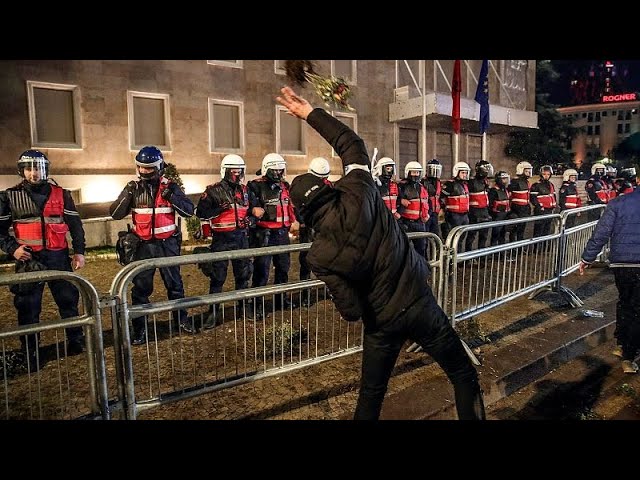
(295, 104)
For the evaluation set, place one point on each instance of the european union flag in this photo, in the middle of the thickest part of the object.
(482, 96)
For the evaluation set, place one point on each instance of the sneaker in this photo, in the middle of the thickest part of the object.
(187, 326)
(33, 361)
(629, 367)
(75, 346)
(617, 351)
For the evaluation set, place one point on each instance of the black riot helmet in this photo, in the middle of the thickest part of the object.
(484, 169)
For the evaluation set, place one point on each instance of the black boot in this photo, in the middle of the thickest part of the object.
(138, 336)
(305, 300)
(254, 310)
(30, 348)
(282, 302)
(214, 319)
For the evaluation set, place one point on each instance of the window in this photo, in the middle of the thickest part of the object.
(597, 116)
(596, 130)
(226, 63)
(627, 115)
(584, 115)
(279, 67)
(289, 133)
(614, 113)
(226, 126)
(627, 128)
(148, 120)
(621, 115)
(619, 128)
(345, 69)
(590, 130)
(54, 115)
(590, 117)
(604, 114)
(349, 119)
(408, 148)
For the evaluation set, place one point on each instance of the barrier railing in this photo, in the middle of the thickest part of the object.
(64, 386)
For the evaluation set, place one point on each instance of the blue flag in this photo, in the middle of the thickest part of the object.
(482, 96)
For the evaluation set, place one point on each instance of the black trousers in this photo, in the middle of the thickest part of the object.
(420, 244)
(477, 215)
(28, 297)
(628, 310)
(242, 267)
(143, 282)
(498, 233)
(432, 224)
(425, 323)
(281, 262)
(452, 220)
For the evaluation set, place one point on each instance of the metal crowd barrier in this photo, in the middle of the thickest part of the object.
(65, 387)
(174, 365)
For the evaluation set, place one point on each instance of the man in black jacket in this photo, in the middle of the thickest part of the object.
(372, 270)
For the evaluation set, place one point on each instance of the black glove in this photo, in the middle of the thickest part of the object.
(225, 205)
(167, 192)
(131, 187)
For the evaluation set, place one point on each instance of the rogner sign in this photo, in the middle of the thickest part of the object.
(622, 97)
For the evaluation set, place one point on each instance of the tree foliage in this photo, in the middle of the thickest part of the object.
(628, 151)
(548, 143)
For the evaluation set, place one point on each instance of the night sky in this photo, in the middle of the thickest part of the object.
(560, 94)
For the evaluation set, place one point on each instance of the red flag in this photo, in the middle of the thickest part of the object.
(456, 88)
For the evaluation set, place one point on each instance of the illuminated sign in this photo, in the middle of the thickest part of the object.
(623, 97)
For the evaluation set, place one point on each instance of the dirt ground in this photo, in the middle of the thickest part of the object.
(324, 391)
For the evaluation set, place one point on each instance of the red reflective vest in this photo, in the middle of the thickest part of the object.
(434, 199)
(548, 200)
(28, 231)
(458, 203)
(157, 222)
(520, 197)
(232, 218)
(284, 215)
(478, 199)
(418, 207)
(391, 196)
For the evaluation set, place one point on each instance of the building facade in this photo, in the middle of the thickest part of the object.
(92, 116)
(603, 126)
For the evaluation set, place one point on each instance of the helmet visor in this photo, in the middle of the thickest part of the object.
(434, 171)
(34, 171)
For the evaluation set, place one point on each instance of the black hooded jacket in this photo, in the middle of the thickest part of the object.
(359, 250)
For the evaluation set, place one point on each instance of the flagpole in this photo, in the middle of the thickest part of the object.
(484, 146)
(456, 148)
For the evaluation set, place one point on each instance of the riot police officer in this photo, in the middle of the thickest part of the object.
(543, 198)
(479, 203)
(455, 197)
(153, 202)
(269, 203)
(41, 214)
(432, 183)
(224, 206)
(597, 188)
(520, 199)
(413, 205)
(383, 174)
(568, 197)
(499, 206)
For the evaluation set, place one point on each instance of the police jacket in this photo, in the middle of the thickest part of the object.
(153, 216)
(48, 206)
(225, 205)
(519, 193)
(543, 195)
(620, 223)
(455, 196)
(568, 197)
(359, 250)
(434, 190)
(597, 190)
(273, 197)
(418, 209)
(499, 200)
(389, 191)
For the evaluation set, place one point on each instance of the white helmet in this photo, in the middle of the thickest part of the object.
(273, 161)
(612, 171)
(522, 166)
(377, 170)
(413, 166)
(461, 167)
(568, 173)
(319, 166)
(232, 161)
(597, 166)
